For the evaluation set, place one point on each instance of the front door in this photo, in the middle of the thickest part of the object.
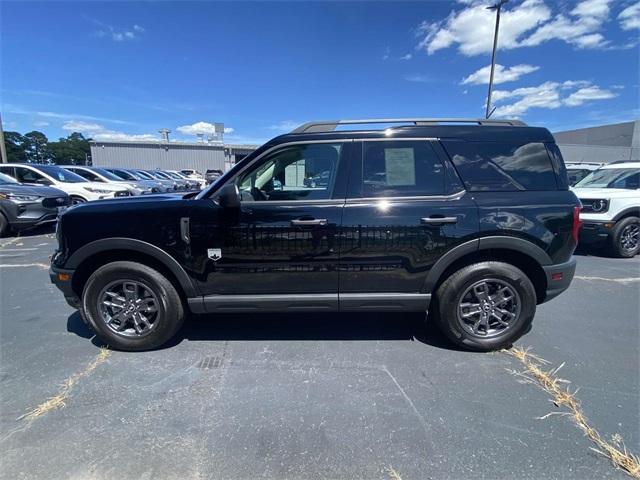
(405, 209)
(283, 238)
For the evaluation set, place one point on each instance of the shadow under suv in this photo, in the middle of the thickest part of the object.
(471, 221)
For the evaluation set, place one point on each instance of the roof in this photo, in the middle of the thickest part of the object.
(622, 165)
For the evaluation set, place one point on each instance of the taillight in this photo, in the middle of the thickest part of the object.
(575, 230)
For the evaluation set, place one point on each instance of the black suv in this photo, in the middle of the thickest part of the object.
(470, 220)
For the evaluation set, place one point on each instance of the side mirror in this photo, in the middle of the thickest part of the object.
(229, 196)
(43, 181)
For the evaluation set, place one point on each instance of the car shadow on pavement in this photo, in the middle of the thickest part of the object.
(317, 327)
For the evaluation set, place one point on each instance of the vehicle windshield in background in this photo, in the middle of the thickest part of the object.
(161, 175)
(61, 174)
(107, 174)
(174, 175)
(577, 174)
(145, 175)
(7, 180)
(628, 178)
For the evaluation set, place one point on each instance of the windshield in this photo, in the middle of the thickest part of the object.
(122, 175)
(7, 180)
(144, 175)
(60, 174)
(174, 175)
(107, 174)
(628, 178)
(162, 175)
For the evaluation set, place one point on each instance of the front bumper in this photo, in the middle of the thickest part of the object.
(559, 277)
(62, 278)
(595, 233)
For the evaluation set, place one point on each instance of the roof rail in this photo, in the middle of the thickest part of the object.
(331, 125)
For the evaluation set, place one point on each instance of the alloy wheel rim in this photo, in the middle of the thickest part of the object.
(129, 308)
(488, 308)
(629, 237)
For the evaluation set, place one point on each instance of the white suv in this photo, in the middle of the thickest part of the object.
(610, 213)
(79, 189)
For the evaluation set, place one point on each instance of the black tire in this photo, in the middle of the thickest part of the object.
(170, 311)
(444, 306)
(619, 238)
(4, 225)
(76, 200)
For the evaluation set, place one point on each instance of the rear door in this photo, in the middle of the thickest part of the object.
(405, 208)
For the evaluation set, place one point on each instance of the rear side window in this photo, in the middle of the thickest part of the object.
(401, 169)
(498, 166)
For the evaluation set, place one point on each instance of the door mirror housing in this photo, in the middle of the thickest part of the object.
(43, 181)
(229, 196)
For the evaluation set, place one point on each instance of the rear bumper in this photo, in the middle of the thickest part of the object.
(61, 278)
(559, 277)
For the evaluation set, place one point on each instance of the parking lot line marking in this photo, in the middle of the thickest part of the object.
(548, 380)
(605, 279)
(409, 401)
(13, 265)
(13, 240)
(18, 249)
(59, 400)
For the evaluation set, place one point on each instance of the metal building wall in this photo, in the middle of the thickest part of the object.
(153, 155)
(606, 143)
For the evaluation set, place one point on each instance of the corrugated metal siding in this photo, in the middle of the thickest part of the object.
(593, 153)
(167, 156)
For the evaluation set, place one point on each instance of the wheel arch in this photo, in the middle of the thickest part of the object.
(100, 252)
(627, 212)
(518, 252)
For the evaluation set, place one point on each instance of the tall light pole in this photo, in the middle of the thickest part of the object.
(497, 7)
(3, 148)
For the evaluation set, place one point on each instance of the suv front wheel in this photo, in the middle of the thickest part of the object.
(132, 306)
(485, 306)
(625, 238)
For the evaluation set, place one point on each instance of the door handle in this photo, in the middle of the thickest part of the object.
(309, 222)
(433, 220)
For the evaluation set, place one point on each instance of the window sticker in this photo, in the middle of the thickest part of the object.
(400, 166)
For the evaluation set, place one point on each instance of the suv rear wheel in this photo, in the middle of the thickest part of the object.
(131, 306)
(625, 239)
(485, 306)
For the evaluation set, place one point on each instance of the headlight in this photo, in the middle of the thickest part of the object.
(599, 205)
(97, 190)
(18, 198)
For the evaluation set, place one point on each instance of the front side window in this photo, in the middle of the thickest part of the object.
(298, 172)
(87, 175)
(401, 168)
(61, 174)
(26, 175)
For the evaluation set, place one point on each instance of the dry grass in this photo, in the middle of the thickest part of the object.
(393, 475)
(563, 397)
(58, 400)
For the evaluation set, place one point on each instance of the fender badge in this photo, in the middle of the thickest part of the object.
(214, 254)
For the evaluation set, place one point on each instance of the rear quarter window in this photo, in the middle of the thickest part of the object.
(502, 166)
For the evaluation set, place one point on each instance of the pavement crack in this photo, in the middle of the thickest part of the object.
(59, 400)
(536, 373)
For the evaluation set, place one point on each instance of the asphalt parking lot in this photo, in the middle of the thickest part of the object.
(309, 395)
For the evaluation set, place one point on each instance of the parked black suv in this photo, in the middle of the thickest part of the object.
(471, 220)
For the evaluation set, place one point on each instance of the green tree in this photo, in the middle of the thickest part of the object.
(36, 147)
(15, 143)
(73, 150)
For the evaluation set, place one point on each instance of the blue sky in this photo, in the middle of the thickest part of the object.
(125, 69)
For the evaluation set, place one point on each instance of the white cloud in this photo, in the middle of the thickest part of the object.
(550, 95)
(387, 52)
(98, 132)
(408, 56)
(471, 29)
(40, 124)
(589, 93)
(501, 74)
(204, 128)
(285, 126)
(528, 24)
(630, 17)
(117, 34)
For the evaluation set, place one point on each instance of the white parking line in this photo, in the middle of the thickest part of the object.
(13, 240)
(39, 265)
(605, 279)
(18, 249)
